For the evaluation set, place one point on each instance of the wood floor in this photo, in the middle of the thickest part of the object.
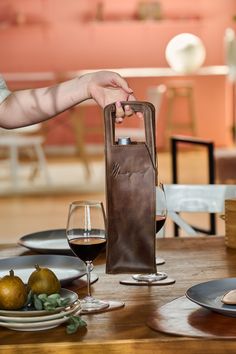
(25, 215)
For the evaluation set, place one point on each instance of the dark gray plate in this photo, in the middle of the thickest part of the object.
(66, 268)
(49, 241)
(209, 295)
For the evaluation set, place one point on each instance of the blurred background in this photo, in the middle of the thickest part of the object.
(190, 80)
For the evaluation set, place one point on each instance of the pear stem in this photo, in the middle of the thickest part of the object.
(37, 267)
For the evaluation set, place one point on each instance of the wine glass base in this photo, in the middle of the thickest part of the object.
(90, 304)
(150, 277)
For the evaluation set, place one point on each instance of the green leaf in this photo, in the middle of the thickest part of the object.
(48, 307)
(37, 303)
(63, 302)
(48, 303)
(42, 296)
(54, 296)
(29, 298)
(52, 302)
(75, 322)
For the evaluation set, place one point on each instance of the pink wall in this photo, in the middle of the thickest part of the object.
(59, 35)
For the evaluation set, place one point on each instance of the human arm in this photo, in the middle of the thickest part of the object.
(31, 106)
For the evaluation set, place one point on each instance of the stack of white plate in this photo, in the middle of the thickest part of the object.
(34, 320)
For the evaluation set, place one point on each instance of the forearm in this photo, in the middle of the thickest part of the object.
(26, 107)
(32, 106)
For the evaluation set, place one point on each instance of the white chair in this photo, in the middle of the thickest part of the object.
(154, 95)
(196, 199)
(16, 140)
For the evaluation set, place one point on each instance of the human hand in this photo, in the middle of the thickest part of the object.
(107, 87)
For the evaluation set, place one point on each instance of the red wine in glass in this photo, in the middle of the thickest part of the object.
(87, 248)
(86, 235)
(160, 221)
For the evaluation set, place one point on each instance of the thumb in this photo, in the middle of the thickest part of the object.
(122, 83)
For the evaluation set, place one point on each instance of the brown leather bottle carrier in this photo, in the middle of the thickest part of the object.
(130, 195)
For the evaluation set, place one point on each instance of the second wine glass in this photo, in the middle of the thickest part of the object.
(161, 213)
(86, 235)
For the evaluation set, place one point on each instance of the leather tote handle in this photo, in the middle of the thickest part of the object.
(148, 111)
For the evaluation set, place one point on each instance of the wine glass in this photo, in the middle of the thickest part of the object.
(86, 235)
(161, 213)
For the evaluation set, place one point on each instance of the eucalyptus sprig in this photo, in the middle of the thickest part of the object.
(50, 303)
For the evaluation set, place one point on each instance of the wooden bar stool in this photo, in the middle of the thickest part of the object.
(175, 91)
(77, 117)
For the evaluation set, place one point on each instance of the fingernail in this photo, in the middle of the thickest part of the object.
(128, 110)
(118, 104)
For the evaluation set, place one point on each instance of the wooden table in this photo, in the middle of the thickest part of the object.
(188, 260)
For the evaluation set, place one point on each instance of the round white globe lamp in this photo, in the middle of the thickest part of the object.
(185, 53)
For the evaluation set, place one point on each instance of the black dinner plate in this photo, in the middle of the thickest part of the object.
(66, 268)
(209, 295)
(48, 241)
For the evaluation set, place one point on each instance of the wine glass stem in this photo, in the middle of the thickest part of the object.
(88, 267)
